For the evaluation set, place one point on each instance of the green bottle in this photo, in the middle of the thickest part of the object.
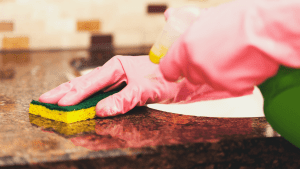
(282, 103)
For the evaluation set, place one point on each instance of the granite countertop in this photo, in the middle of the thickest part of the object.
(141, 138)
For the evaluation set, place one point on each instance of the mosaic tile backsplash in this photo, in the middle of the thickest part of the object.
(68, 24)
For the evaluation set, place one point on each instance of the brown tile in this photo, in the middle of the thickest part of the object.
(92, 25)
(6, 74)
(15, 58)
(6, 27)
(156, 8)
(15, 43)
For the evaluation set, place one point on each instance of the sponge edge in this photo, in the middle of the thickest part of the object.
(63, 116)
(69, 114)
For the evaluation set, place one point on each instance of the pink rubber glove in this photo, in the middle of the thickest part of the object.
(145, 84)
(237, 45)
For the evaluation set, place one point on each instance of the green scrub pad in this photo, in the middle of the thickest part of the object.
(69, 114)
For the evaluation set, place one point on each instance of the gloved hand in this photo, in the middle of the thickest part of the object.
(145, 84)
(236, 45)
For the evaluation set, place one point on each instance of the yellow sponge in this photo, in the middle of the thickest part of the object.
(69, 114)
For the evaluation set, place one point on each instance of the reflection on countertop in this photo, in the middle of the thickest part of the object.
(142, 137)
(143, 127)
(62, 128)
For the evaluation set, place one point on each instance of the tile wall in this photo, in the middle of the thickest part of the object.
(69, 24)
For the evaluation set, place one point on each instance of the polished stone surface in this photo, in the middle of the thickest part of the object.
(141, 138)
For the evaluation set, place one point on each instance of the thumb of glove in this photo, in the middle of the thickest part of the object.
(121, 102)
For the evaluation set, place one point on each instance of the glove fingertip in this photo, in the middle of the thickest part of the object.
(64, 102)
(45, 100)
(48, 98)
(71, 98)
(105, 108)
(54, 95)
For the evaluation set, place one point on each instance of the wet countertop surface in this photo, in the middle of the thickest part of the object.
(141, 138)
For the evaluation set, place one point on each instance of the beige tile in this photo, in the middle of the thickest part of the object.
(15, 43)
(149, 38)
(44, 11)
(129, 22)
(75, 40)
(107, 13)
(67, 8)
(207, 3)
(131, 7)
(105, 9)
(60, 41)
(81, 10)
(40, 41)
(59, 25)
(29, 26)
(153, 25)
(15, 12)
(129, 15)
(23, 1)
(80, 40)
(128, 38)
(6, 12)
(153, 22)
(4, 1)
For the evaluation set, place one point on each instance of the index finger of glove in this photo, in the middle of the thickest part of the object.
(78, 89)
(55, 94)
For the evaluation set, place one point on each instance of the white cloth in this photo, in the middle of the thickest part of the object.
(237, 107)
